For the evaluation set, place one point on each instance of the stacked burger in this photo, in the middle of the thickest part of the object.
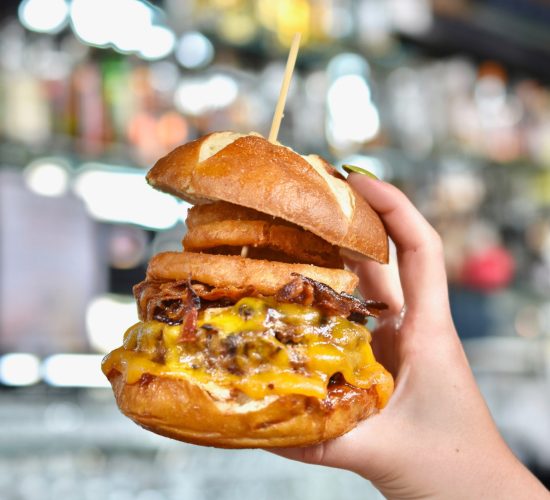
(251, 336)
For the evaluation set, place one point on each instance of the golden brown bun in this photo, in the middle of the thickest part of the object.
(180, 410)
(264, 276)
(250, 171)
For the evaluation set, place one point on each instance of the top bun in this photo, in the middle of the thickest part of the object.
(249, 170)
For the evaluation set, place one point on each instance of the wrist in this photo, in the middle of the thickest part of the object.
(498, 474)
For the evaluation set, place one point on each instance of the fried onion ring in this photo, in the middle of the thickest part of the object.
(221, 210)
(225, 225)
(304, 246)
(234, 271)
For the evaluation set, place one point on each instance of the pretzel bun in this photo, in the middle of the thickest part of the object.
(249, 170)
(181, 410)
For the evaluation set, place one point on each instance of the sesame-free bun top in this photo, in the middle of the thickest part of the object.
(249, 170)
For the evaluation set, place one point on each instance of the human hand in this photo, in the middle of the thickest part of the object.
(436, 437)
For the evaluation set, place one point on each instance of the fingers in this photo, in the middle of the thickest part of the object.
(330, 453)
(419, 248)
(379, 283)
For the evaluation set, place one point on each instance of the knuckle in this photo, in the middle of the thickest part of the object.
(435, 241)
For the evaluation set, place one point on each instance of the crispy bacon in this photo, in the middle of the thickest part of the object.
(189, 325)
(229, 294)
(172, 302)
(178, 302)
(308, 292)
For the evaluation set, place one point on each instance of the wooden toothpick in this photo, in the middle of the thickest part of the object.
(279, 109)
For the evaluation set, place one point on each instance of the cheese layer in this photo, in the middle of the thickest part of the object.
(257, 346)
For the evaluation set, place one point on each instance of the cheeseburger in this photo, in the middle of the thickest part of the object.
(251, 336)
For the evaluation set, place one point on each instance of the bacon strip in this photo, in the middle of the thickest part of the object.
(178, 302)
(308, 292)
(172, 302)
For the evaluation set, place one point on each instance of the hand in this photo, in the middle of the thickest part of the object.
(436, 437)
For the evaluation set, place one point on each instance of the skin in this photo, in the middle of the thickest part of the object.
(436, 437)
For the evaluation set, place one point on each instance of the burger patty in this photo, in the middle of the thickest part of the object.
(257, 346)
(253, 336)
(237, 353)
(178, 302)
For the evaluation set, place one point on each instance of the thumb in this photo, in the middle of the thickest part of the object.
(350, 451)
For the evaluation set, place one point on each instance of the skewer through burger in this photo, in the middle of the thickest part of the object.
(251, 336)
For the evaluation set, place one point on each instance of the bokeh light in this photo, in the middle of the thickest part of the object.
(19, 369)
(44, 16)
(47, 177)
(194, 50)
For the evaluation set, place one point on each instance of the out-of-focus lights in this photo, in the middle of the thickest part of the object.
(107, 318)
(126, 25)
(347, 63)
(18, 369)
(194, 50)
(44, 16)
(164, 76)
(158, 42)
(375, 24)
(133, 33)
(461, 189)
(353, 117)
(91, 21)
(122, 195)
(490, 94)
(74, 370)
(47, 177)
(411, 16)
(200, 96)
(225, 90)
(238, 27)
(271, 78)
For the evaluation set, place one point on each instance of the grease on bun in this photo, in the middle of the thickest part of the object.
(268, 350)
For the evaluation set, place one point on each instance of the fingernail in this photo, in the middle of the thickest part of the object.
(358, 170)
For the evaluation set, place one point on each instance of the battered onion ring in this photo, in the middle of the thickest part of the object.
(221, 210)
(302, 246)
(235, 271)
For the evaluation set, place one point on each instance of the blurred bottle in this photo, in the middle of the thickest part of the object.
(499, 114)
(25, 110)
(88, 110)
(119, 102)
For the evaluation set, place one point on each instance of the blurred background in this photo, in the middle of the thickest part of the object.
(448, 99)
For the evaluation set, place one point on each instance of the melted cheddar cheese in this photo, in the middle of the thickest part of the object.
(261, 365)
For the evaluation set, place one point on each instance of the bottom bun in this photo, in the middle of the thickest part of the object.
(180, 410)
